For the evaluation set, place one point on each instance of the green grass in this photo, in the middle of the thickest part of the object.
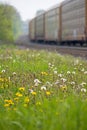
(57, 100)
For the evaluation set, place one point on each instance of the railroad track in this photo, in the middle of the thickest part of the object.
(75, 51)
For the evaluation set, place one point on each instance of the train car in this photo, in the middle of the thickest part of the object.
(40, 27)
(32, 30)
(74, 21)
(53, 24)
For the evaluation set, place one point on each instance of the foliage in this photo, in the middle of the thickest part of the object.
(10, 23)
(40, 90)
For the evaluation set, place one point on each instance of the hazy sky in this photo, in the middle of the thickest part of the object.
(28, 8)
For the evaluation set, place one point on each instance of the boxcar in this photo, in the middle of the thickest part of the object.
(32, 30)
(74, 21)
(40, 27)
(53, 24)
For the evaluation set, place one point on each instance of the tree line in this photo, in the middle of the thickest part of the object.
(10, 23)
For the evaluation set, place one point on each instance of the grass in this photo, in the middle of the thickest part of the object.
(40, 90)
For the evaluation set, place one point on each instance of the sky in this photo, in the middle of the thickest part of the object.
(28, 8)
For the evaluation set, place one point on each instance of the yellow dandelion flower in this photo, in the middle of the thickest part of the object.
(6, 105)
(11, 103)
(25, 105)
(48, 93)
(64, 88)
(18, 94)
(21, 88)
(38, 103)
(34, 93)
(44, 73)
(26, 100)
(15, 109)
(16, 99)
(1, 80)
(8, 101)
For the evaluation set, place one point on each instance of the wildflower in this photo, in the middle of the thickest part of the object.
(30, 90)
(26, 100)
(73, 72)
(49, 64)
(60, 75)
(44, 73)
(64, 88)
(48, 93)
(9, 79)
(21, 88)
(83, 84)
(83, 90)
(38, 103)
(85, 72)
(16, 99)
(3, 71)
(55, 72)
(15, 109)
(1, 79)
(9, 102)
(57, 82)
(33, 93)
(48, 83)
(68, 72)
(76, 62)
(14, 73)
(18, 94)
(25, 105)
(73, 83)
(37, 81)
(36, 84)
(63, 80)
(43, 88)
(6, 105)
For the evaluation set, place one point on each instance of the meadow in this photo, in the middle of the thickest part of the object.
(41, 90)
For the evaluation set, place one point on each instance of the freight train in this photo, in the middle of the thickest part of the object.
(65, 23)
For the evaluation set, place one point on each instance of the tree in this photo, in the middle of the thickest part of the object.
(10, 23)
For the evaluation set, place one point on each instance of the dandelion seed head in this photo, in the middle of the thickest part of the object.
(83, 84)
(83, 90)
(3, 71)
(30, 90)
(72, 83)
(37, 81)
(43, 88)
(63, 80)
(68, 72)
(73, 72)
(55, 72)
(14, 73)
(85, 72)
(60, 75)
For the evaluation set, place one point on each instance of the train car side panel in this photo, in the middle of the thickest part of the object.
(86, 19)
(52, 25)
(73, 20)
(39, 27)
(32, 30)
